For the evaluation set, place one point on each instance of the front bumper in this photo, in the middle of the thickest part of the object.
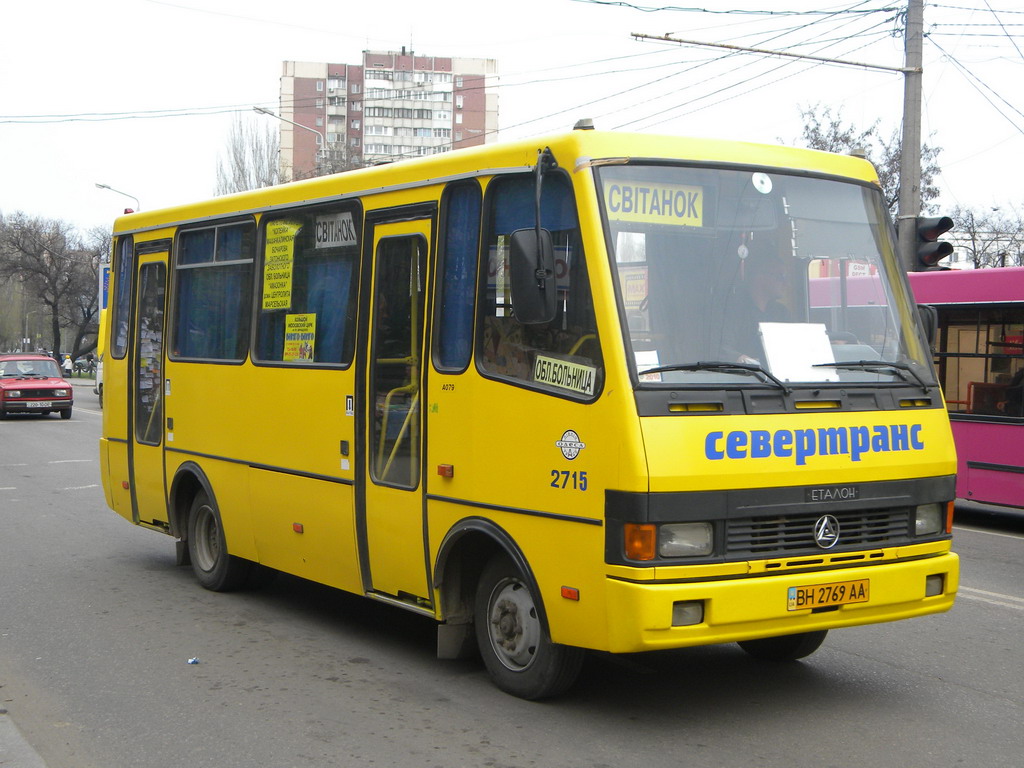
(37, 405)
(754, 606)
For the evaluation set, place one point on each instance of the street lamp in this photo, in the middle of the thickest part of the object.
(323, 141)
(138, 207)
(26, 340)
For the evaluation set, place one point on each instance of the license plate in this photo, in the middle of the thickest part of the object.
(827, 595)
(38, 404)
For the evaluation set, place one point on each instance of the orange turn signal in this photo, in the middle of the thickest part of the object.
(641, 541)
(949, 517)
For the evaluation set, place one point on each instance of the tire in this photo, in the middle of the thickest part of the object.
(65, 414)
(214, 567)
(786, 647)
(514, 642)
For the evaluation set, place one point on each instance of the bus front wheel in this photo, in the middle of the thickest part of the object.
(786, 647)
(214, 568)
(513, 641)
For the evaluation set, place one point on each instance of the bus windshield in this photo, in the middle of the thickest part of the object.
(732, 277)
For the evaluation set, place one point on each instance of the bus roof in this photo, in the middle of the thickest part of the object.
(582, 146)
(969, 286)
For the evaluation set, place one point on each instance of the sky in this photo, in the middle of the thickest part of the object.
(140, 94)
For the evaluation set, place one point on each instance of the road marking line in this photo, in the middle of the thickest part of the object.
(80, 487)
(71, 461)
(1017, 602)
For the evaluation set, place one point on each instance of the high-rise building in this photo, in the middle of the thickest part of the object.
(392, 105)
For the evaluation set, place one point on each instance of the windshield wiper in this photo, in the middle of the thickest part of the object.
(874, 366)
(714, 365)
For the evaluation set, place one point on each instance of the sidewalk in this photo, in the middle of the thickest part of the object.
(85, 381)
(15, 752)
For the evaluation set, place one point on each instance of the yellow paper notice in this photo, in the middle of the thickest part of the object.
(278, 260)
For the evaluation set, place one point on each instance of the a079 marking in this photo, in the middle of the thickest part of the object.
(563, 479)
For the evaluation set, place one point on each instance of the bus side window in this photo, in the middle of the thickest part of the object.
(563, 356)
(123, 268)
(456, 281)
(308, 282)
(212, 297)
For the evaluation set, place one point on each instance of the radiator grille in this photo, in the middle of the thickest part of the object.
(36, 394)
(790, 534)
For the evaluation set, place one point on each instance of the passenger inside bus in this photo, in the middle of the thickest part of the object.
(761, 295)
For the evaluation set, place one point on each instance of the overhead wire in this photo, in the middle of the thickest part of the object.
(976, 81)
(737, 83)
(1008, 36)
(730, 11)
(633, 88)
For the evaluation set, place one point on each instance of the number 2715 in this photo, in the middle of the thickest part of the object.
(565, 479)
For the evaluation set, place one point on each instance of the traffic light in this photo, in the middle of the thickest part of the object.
(931, 250)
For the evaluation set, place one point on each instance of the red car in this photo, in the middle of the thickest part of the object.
(33, 384)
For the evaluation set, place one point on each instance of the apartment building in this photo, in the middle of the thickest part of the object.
(390, 106)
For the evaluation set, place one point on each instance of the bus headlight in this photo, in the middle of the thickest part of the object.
(685, 540)
(928, 519)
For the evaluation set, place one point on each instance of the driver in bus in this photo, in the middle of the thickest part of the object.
(759, 298)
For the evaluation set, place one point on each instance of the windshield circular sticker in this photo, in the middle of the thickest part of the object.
(570, 444)
(762, 183)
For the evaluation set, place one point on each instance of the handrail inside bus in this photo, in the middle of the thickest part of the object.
(402, 433)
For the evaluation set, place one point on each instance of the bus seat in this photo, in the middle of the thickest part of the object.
(984, 398)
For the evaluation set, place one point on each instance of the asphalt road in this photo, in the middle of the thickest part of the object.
(97, 626)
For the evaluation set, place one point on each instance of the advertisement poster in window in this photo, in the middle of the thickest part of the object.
(299, 337)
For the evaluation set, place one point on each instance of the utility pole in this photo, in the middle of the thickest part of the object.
(910, 151)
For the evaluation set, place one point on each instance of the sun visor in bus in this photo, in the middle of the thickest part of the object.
(558, 212)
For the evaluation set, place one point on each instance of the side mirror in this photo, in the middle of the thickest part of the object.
(532, 271)
(930, 320)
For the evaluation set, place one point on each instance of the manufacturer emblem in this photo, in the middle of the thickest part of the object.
(570, 445)
(826, 531)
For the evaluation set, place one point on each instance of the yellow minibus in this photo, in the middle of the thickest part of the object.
(593, 390)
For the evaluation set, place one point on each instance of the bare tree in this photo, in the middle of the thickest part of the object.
(336, 159)
(251, 157)
(993, 238)
(57, 270)
(828, 132)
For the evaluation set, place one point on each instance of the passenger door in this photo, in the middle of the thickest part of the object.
(146, 372)
(391, 502)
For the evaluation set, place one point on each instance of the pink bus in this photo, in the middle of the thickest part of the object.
(979, 353)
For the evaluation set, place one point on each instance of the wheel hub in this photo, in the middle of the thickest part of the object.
(515, 627)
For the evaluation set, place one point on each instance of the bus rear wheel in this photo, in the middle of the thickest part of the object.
(513, 640)
(786, 647)
(214, 567)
